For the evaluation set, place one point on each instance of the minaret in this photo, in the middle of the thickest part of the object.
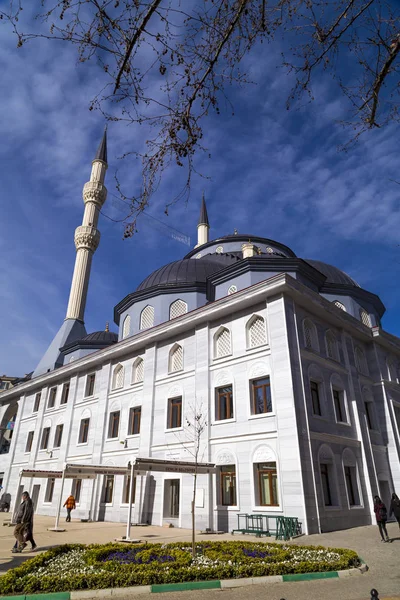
(203, 226)
(87, 238)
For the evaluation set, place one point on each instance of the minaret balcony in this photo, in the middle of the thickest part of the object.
(94, 191)
(87, 237)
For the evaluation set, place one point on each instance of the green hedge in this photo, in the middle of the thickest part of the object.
(228, 562)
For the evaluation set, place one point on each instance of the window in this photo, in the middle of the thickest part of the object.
(147, 317)
(365, 318)
(37, 402)
(138, 370)
(126, 327)
(261, 396)
(135, 415)
(113, 424)
(223, 403)
(29, 441)
(256, 334)
(310, 335)
(65, 393)
(267, 482)
(126, 491)
(108, 489)
(174, 413)
(340, 408)
(176, 359)
(44, 444)
(76, 489)
(360, 361)
(397, 416)
(340, 305)
(223, 343)
(232, 290)
(84, 431)
(49, 490)
(227, 476)
(58, 436)
(392, 371)
(52, 397)
(315, 399)
(326, 477)
(177, 308)
(331, 346)
(219, 250)
(90, 381)
(350, 475)
(369, 414)
(118, 377)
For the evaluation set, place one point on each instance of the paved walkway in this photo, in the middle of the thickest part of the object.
(383, 559)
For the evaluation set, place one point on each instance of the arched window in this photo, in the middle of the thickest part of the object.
(340, 305)
(222, 343)
(147, 317)
(232, 289)
(350, 471)
(256, 334)
(365, 318)
(177, 308)
(138, 370)
(175, 358)
(328, 476)
(331, 346)
(361, 363)
(126, 328)
(219, 250)
(118, 377)
(392, 371)
(310, 335)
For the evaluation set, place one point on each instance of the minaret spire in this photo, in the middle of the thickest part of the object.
(203, 224)
(87, 236)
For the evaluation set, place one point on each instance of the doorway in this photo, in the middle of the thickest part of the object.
(35, 496)
(171, 498)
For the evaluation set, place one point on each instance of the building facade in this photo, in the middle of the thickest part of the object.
(283, 358)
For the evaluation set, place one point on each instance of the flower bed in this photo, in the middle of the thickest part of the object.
(76, 567)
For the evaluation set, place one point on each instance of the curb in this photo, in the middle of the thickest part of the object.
(215, 584)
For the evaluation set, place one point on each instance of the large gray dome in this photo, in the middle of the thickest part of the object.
(332, 274)
(101, 337)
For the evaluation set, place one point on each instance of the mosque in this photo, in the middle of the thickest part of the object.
(283, 359)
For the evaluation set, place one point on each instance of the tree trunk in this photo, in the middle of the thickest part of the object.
(194, 517)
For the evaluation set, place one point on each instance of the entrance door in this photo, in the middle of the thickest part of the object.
(171, 498)
(35, 496)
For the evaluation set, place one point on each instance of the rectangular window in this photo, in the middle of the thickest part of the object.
(326, 484)
(76, 489)
(29, 441)
(340, 411)
(261, 396)
(108, 489)
(45, 438)
(37, 402)
(84, 431)
(90, 381)
(49, 490)
(127, 484)
(316, 404)
(368, 414)
(350, 474)
(113, 424)
(397, 416)
(228, 485)
(52, 397)
(65, 393)
(267, 481)
(223, 403)
(58, 436)
(174, 413)
(135, 415)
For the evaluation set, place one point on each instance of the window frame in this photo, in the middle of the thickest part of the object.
(44, 445)
(57, 434)
(118, 373)
(29, 441)
(230, 402)
(126, 327)
(176, 401)
(75, 485)
(65, 393)
(370, 416)
(253, 403)
(106, 489)
(249, 325)
(317, 390)
(350, 473)
(114, 421)
(231, 474)
(51, 402)
(83, 431)
(126, 490)
(217, 337)
(171, 358)
(325, 471)
(139, 361)
(36, 402)
(259, 489)
(133, 412)
(49, 493)
(90, 384)
(341, 401)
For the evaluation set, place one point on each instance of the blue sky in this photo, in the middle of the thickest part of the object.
(272, 172)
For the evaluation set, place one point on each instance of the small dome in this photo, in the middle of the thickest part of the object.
(332, 274)
(187, 271)
(101, 337)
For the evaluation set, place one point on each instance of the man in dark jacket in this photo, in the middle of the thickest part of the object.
(395, 507)
(23, 531)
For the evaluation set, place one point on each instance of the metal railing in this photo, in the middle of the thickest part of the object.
(283, 528)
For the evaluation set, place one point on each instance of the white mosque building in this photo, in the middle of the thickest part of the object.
(284, 357)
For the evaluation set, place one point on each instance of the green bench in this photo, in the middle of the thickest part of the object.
(283, 528)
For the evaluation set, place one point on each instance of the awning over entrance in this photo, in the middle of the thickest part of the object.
(172, 466)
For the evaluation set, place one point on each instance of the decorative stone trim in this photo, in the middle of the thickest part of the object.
(94, 191)
(87, 237)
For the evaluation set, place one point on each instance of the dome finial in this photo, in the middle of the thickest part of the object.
(203, 220)
(101, 153)
(107, 327)
(203, 225)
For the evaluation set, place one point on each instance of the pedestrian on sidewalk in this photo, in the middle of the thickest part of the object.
(395, 507)
(70, 504)
(23, 531)
(381, 518)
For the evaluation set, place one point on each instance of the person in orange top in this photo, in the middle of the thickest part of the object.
(70, 505)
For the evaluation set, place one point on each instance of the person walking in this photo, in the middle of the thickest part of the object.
(381, 518)
(70, 504)
(395, 507)
(23, 531)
